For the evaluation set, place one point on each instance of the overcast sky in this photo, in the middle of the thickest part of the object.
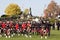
(37, 6)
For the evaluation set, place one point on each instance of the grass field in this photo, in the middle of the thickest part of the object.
(55, 35)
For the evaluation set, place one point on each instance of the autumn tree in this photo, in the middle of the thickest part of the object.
(52, 9)
(46, 11)
(52, 6)
(12, 9)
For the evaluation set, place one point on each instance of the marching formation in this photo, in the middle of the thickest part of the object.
(25, 28)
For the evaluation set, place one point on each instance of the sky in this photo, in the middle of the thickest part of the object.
(37, 6)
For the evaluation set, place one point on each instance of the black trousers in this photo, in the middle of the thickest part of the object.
(58, 27)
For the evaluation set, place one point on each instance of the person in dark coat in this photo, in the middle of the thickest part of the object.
(58, 25)
(53, 26)
(48, 25)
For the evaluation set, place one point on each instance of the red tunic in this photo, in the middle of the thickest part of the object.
(3, 25)
(23, 26)
(16, 26)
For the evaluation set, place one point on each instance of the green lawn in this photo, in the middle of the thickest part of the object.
(55, 35)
